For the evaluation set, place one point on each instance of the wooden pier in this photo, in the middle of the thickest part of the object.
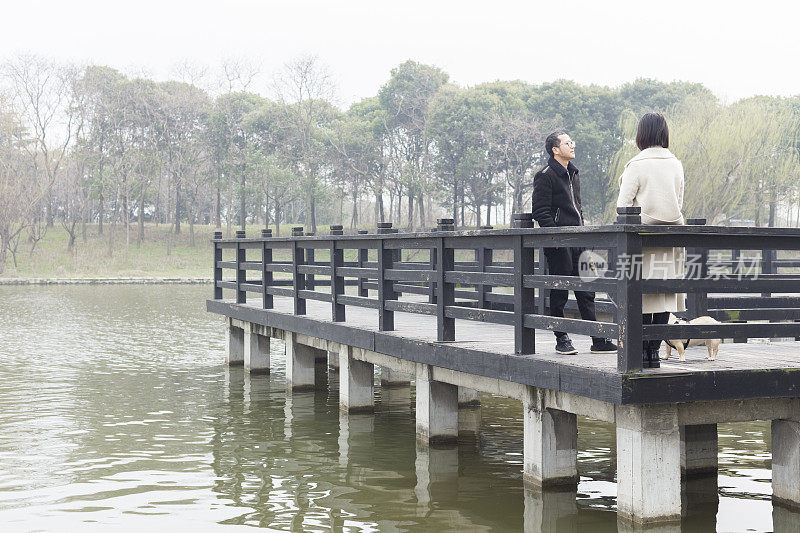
(466, 311)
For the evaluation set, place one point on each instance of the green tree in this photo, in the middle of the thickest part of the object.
(229, 139)
(739, 160)
(184, 110)
(271, 165)
(591, 116)
(98, 88)
(406, 98)
(304, 90)
(647, 95)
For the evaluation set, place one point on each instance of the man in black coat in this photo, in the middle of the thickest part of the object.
(557, 202)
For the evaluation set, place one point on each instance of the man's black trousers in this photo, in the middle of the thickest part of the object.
(564, 262)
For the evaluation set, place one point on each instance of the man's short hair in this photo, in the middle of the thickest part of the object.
(553, 141)
(652, 131)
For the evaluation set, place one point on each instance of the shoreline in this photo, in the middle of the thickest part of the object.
(105, 281)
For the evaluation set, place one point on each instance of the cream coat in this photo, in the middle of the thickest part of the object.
(653, 180)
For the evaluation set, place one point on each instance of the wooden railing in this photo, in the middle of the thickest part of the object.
(496, 276)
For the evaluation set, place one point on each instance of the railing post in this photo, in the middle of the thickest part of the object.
(337, 281)
(385, 286)
(524, 298)
(541, 299)
(298, 279)
(525, 220)
(541, 307)
(446, 327)
(363, 258)
(217, 268)
(612, 269)
(767, 261)
(629, 292)
(432, 266)
(445, 224)
(736, 269)
(521, 220)
(310, 283)
(397, 257)
(697, 302)
(266, 275)
(241, 274)
(768, 266)
(484, 257)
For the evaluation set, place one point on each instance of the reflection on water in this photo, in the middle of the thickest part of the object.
(116, 409)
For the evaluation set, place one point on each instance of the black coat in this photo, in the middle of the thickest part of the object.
(557, 196)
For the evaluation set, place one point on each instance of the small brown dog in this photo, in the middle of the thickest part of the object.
(682, 344)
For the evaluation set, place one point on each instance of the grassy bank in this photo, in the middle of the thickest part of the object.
(156, 256)
(160, 254)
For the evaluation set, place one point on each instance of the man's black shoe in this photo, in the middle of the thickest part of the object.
(564, 346)
(604, 346)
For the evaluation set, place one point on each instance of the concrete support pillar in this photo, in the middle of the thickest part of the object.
(299, 364)
(333, 361)
(392, 378)
(320, 356)
(233, 385)
(786, 463)
(648, 463)
(355, 437)
(256, 351)
(468, 397)
(437, 474)
(395, 389)
(234, 343)
(437, 409)
(626, 526)
(256, 391)
(785, 519)
(550, 511)
(298, 414)
(396, 398)
(699, 445)
(550, 443)
(355, 383)
(469, 423)
(700, 502)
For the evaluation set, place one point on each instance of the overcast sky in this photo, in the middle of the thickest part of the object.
(735, 51)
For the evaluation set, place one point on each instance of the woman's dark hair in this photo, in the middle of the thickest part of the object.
(652, 131)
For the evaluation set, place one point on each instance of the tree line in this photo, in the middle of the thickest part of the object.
(92, 146)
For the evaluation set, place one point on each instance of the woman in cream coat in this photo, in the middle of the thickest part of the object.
(653, 181)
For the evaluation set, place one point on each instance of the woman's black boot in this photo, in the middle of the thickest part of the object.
(655, 362)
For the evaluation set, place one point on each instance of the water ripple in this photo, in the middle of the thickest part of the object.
(116, 410)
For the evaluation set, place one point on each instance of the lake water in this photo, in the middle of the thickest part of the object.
(116, 409)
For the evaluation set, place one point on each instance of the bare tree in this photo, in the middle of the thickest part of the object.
(19, 193)
(44, 90)
(185, 108)
(238, 74)
(70, 194)
(516, 140)
(305, 89)
(192, 72)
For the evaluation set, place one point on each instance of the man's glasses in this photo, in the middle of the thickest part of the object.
(571, 144)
